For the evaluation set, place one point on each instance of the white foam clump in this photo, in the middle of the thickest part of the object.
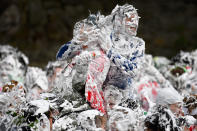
(43, 106)
(190, 120)
(47, 95)
(44, 123)
(161, 61)
(87, 119)
(66, 106)
(36, 77)
(122, 119)
(64, 123)
(168, 96)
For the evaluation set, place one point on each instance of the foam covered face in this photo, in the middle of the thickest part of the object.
(131, 23)
(176, 109)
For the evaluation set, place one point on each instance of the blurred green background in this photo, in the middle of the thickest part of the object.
(39, 27)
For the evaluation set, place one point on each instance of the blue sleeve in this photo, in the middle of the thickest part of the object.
(62, 50)
(68, 50)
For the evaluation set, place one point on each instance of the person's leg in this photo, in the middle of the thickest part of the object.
(96, 75)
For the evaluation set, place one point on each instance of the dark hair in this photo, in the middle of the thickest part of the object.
(161, 119)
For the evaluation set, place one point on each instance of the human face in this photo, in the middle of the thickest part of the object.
(131, 23)
(176, 109)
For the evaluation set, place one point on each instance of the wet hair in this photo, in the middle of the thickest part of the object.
(161, 119)
(190, 102)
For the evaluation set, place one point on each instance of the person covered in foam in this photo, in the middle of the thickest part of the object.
(87, 62)
(126, 52)
(13, 65)
(171, 98)
(168, 113)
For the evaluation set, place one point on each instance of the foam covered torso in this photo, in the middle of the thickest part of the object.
(125, 56)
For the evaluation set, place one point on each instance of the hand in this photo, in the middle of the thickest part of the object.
(83, 58)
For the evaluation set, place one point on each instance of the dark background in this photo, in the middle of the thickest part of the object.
(39, 27)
